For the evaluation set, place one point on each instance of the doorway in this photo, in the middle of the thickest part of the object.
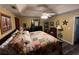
(17, 23)
(76, 29)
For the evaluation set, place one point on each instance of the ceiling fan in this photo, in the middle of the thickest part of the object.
(47, 15)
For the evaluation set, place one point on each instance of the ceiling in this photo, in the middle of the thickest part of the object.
(36, 10)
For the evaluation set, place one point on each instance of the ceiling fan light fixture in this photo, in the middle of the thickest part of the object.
(44, 17)
(46, 14)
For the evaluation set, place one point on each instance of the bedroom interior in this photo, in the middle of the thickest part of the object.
(39, 29)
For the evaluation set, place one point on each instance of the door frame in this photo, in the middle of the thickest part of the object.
(74, 29)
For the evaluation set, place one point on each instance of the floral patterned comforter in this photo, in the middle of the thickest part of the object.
(40, 39)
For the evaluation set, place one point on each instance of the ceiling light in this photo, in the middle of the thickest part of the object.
(46, 14)
(44, 17)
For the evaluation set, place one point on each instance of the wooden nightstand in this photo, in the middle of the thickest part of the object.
(53, 31)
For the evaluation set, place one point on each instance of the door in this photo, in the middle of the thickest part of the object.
(77, 30)
(17, 23)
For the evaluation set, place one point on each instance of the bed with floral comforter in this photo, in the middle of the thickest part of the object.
(37, 42)
(42, 40)
(42, 37)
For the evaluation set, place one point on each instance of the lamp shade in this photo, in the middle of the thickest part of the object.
(59, 27)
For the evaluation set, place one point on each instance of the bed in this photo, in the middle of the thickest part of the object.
(36, 43)
(44, 42)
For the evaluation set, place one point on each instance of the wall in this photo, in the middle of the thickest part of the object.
(25, 20)
(28, 20)
(68, 33)
(6, 12)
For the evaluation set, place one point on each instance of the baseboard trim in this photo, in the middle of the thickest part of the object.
(67, 41)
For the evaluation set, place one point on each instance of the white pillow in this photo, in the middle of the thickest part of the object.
(26, 36)
(27, 33)
(6, 42)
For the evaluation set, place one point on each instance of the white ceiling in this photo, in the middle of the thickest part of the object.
(36, 10)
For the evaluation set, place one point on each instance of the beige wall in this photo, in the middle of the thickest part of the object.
(28, 20)
(68, 33)
(6, 12)
(25, 20)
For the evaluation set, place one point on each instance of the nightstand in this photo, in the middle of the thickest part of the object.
(53, 31)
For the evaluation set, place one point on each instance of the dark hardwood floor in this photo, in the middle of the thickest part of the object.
(68, 49)
(71, 49)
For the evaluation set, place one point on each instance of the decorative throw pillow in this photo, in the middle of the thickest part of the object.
(16, 39)
(18, 44)
(27, 33)
(26, 36)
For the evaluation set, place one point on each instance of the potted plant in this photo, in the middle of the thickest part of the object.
(24, 25)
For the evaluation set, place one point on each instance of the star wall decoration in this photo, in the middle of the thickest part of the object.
(65, 22)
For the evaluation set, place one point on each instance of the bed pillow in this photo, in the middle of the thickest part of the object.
(26, 36)
(27, 33)
(17, 44)
(16, 39)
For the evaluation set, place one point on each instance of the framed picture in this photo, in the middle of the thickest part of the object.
(8, 23)
(5, 23)
(52, 23)
(57, 23)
